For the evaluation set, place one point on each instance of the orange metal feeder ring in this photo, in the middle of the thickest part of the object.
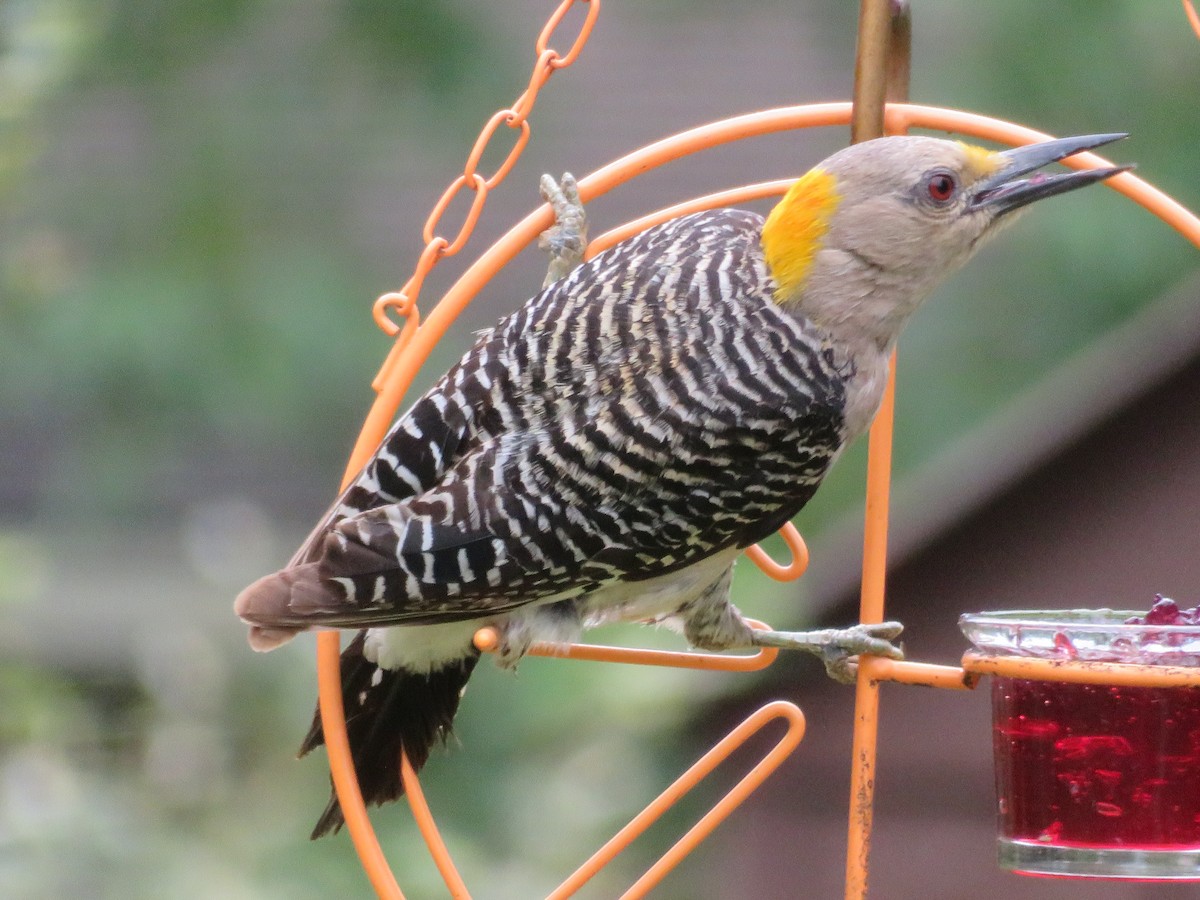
(413, 346)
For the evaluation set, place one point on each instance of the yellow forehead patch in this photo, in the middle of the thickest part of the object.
(793, 230)
(979, 161)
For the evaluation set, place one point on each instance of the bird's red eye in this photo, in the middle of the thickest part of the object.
(941, 186)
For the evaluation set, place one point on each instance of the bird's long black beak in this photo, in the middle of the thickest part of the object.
(1006, 190)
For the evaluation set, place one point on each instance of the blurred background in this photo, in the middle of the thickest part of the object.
(199, 203)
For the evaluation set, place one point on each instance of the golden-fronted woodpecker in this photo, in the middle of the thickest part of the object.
(607, 451)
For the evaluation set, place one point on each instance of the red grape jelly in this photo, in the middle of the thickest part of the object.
(1098, 781)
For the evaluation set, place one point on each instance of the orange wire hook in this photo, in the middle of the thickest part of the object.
(791, 571)
(700, 770)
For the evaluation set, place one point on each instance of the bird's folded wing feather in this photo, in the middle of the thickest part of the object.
(626, 423)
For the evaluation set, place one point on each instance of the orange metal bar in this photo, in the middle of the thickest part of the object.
(397, 378)
(779, 709)
(1193, 18)
(429, 831)
(341, 768)
(879, 668)
(879, 471)
(486, 640)
(1081, 671)
(866, 690)
(881, 72)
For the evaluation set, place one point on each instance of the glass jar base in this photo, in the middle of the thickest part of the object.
(1037, 858)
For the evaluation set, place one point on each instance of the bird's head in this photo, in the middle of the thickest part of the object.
(862, 239)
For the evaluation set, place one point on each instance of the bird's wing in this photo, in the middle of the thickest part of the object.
(649, 410)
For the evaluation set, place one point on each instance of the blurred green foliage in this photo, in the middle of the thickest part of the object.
(195, 211)
(175, 256)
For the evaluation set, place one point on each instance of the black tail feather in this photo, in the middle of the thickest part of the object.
(387, 710)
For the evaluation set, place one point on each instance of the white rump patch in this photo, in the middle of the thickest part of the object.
(419, 648)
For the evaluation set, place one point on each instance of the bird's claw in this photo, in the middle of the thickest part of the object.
(566, 239)
(839, 648)
(841, 655)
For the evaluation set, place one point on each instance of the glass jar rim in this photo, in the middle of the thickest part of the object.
(1100, 619)
(1084, 635)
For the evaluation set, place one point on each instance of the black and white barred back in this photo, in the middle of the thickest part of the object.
(652, 408)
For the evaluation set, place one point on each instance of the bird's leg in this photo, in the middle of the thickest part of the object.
(711, 622)
(553, 623)
(566, 239)
(837, 647)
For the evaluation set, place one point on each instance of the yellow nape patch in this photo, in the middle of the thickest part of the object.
(980, 162)
(793, 231)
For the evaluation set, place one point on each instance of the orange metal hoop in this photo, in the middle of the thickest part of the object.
(403, 363)
(1192, 17)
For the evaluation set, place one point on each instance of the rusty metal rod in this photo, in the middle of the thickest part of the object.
(881, 71)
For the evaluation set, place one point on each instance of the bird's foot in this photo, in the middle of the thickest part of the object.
(553, 625)
(838, 647)
(511, 646)
(566, 239)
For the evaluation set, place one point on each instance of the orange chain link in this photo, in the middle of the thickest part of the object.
(403, 303)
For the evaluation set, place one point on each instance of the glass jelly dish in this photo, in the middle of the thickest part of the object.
(1094, 780)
